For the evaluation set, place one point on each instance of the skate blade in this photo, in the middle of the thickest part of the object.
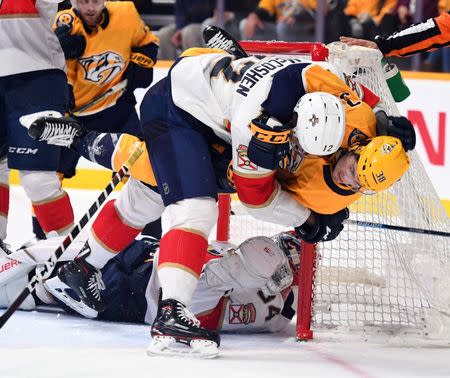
(58, 289)
(167, 346)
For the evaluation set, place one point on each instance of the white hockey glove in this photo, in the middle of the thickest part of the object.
(258, 263)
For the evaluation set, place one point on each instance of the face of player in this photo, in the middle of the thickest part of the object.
(91, 11)
(345, 171)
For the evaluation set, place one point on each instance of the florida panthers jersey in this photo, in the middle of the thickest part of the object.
(27, 42)
(230, 92)
(109, 49)
(244, 310)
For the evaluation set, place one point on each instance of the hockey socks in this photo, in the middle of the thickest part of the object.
(109, 235)
(181, 258)
(4, 209)
(55, 214)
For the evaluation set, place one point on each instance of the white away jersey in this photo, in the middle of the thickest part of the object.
(245, 310)
(27, 41)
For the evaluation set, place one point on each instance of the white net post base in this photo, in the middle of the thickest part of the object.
(369, 281)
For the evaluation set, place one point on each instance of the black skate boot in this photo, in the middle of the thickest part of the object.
(78, 285)
(174, 323)
(64, 131)
(217, 38)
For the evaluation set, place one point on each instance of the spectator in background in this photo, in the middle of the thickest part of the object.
(368, 18)
(284, 20)
(187, 30)
(233, 15)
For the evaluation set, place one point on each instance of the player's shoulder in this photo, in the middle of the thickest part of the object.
(122, 7)
(65, 17)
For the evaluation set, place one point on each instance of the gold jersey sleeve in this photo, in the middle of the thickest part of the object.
(141, 169)
(107, 54)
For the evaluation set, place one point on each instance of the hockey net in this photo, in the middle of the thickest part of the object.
(371, 280)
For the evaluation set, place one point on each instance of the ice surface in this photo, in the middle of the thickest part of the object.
(48, 345)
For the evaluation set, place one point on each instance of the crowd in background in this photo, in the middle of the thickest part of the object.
(289, 20)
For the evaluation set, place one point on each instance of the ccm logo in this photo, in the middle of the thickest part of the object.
(8, 265)
(23, 150)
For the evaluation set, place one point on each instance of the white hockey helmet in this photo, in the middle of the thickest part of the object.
(320, 126)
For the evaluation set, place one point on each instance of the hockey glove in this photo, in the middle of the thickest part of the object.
(73, 45)
(270, 143)
(139, 72)
(398, 127)
(326, 227)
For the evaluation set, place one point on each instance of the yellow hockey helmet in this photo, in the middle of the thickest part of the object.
(382, 161)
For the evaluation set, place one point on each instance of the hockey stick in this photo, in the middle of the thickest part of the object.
(397, 228)
(114, 89)
(48, 267)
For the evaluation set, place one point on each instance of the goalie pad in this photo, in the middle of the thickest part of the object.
(256, 263)
(10, 292)
(23, 261)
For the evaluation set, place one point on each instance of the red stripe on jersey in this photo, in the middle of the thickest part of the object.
(11, 7)
(370, 98)
(254, 191)
(213, 319)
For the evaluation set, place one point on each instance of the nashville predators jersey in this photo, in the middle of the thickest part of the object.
(109, 49)
(313, 186)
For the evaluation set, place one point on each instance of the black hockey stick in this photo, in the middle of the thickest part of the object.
(397, 228)
(48, 267)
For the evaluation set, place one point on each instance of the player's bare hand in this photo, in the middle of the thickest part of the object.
(358, 42)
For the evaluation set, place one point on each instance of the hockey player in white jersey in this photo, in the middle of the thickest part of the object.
(250, 288)
(32, 80)
(210, 98)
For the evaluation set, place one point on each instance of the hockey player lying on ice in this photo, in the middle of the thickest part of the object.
(180, 165)
(248, 289)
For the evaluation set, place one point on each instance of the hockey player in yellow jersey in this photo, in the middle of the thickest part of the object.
(109, 53)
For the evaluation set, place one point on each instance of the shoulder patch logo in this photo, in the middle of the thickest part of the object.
(242, 313)
(64, 19)
(102, 68)
(243, 161)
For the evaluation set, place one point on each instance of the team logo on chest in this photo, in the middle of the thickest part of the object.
(242, 313)
(102, 68)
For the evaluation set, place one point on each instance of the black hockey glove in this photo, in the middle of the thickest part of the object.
(326, 227)
(398, 127)
(139, 72)
(73, 45)
(269, 144)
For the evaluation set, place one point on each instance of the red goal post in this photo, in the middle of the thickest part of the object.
(369, 280)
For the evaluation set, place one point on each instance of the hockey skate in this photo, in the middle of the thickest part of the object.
(78, 285)
(64, 131)
(217, 38)
(174, 325)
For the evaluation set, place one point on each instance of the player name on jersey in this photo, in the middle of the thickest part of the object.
(260, 70)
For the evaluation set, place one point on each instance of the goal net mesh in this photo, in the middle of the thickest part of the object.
(373, 279)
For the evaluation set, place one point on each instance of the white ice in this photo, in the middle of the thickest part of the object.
(46, 345)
